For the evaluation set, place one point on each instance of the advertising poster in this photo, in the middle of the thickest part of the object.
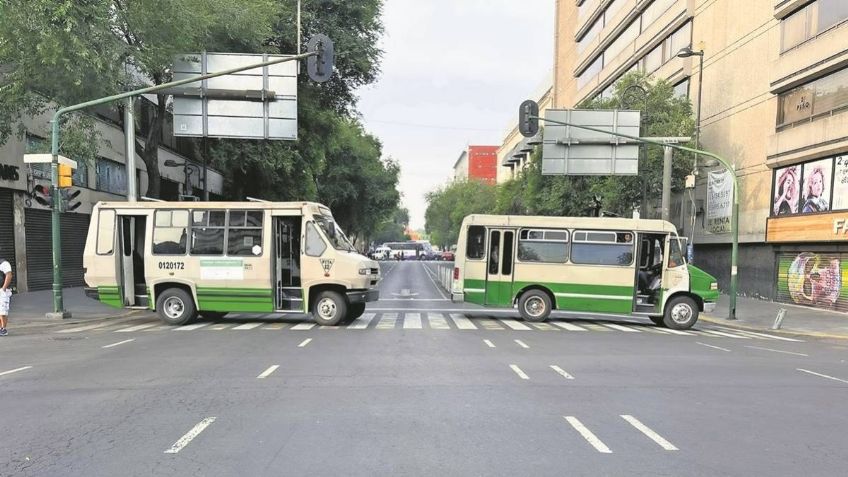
(787, 190)
(840, 184)
(813, 279)
(815, 195)
(719, 202)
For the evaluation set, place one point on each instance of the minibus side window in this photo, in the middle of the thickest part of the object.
(315, 246)
(170, 232)
(208, 228)
(602, 248)
(244, 234)
(475, 247)
(544, 246)
(675, 257)
(106, 232)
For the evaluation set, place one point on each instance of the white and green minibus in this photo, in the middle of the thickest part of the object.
(580, 264)
(211, 258)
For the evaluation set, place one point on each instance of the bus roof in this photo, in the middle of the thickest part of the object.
(642, 225)
(313, 207)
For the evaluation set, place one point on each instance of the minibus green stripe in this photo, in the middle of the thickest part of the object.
(110, 295)
(569, 296)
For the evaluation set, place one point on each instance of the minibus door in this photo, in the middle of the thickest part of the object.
(675, 275)
(287, 276)
(131, 231)
(499, 268)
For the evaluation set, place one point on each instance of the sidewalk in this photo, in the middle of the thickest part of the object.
(759, 315)
(30, 309)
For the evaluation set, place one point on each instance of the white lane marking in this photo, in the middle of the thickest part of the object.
(568, 326)
(489, 324)
(489, 343)
(711, 346)
(822, 375)
(562, 372)
(387, 321)
(190, 327)
(136, 328)
(620, 328)
(118, 343)
(462, 322)
(437, 321)
(220, 327)
(519, 372)
(268, 371)
(274, 327)
(543, 327)
(15, 370)
(412, 321)
(515, 325)
(304, 343)
(649, 432)
(677, 332)
(184, 440)
(438, 288)
(778, 351)
(522, 344)
(84, 328)
(362, 322)
(726, 335)
(303, 326)
(248, 326)
(587, 434)
(159, 328)
(656, 329)
(763, 335)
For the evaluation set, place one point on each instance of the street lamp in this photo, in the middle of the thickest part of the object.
(185, 165)
(688, 53)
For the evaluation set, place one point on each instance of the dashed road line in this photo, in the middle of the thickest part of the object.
(588, 435)
(725, 335)
(649, 432)
(519, 372)
(764, 335)
(190, 435)
(561, 372)
(304, 343)
(821, 375)
(711, 346)
(779, 351)
(489, 343)
(362, 322)
(268, 371)
(22, 368)
(118, 343)
(522, 344)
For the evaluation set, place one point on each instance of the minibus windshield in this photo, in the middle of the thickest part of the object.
(337, 238)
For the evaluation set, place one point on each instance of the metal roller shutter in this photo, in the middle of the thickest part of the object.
(40, 255)
(7, 230)
(813, 279)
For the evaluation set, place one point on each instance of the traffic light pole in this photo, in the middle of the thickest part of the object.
(58, 301)
(734, 218)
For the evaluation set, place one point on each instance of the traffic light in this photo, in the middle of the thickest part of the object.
(42, 195)
(320, 66)
(528, 118)
(66, 176)
(68, 198)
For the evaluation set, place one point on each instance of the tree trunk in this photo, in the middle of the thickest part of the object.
(150, 152)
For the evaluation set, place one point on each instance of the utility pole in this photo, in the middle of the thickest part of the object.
(666, 183)
(129, 149)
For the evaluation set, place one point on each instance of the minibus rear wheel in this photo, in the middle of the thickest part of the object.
(175, 306)
(534, 306)
(329, 308)
(681, 312)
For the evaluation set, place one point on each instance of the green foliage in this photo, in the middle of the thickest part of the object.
(392, 229)
(448, 205)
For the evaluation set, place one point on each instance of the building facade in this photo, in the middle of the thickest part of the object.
(477, 163)
(775, 90)
(25, 213)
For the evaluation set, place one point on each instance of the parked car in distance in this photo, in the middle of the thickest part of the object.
(448, 256)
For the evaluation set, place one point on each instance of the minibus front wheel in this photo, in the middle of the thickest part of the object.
(681, 313)
(534, 306)
(329, 308)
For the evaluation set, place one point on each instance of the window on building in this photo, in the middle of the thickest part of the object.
(612, 9)
(80, 177)
(654, 11)
(111, 176)
(590, 247)
(475, 245)
(818, 98)
(621, 43)
(681, 90)
(170, 232)
(653, 60)
(590, 73)
(38, 145)
(208, 228)
(590, 35)
(244, 233)
(810, 21)
(550, 246)
(677, 41)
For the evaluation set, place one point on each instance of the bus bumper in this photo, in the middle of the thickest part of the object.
(457, 297)
(363, 296)
(709, 306)
(92, 293)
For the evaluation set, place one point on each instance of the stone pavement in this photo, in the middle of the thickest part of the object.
(30, 309)
(757, 314)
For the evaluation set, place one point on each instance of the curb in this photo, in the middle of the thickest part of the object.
(72, 321)
(730, 324)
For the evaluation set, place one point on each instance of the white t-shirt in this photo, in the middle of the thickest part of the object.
(5, 268)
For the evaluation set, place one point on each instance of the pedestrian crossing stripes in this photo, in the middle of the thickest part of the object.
(415, 322)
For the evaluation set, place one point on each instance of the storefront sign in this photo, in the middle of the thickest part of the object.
(719, 202)
(808, 228)
(813, 279)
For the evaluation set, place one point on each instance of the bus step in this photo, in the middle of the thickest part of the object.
(142, 300)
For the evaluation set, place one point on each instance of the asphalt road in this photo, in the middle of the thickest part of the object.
(416, 387)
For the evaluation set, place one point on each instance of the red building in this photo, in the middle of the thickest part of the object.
(478, 162)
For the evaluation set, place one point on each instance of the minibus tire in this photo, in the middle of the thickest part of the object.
(355, 311)
(213, 315)
(329, 308)
(681, 313)
(658, 320)
(534, 298)
(175, 306)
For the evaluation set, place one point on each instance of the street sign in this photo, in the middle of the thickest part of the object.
(259, 103)
(320, 67)
(528, 118)
(570, 150)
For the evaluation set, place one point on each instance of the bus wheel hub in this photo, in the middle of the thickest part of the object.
(681, 313)
(327, 308)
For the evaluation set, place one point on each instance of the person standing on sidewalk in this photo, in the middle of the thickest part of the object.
(5, 294)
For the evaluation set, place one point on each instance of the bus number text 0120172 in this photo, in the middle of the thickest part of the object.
(171, 266)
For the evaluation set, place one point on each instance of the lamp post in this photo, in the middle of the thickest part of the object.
(187, 172)
(688, 53)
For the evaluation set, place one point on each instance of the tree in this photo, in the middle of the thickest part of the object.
(449, 205)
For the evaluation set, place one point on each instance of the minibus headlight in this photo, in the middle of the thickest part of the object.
(363, 271)
(713, 286)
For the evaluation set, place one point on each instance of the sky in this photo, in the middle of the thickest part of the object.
(453, 74)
